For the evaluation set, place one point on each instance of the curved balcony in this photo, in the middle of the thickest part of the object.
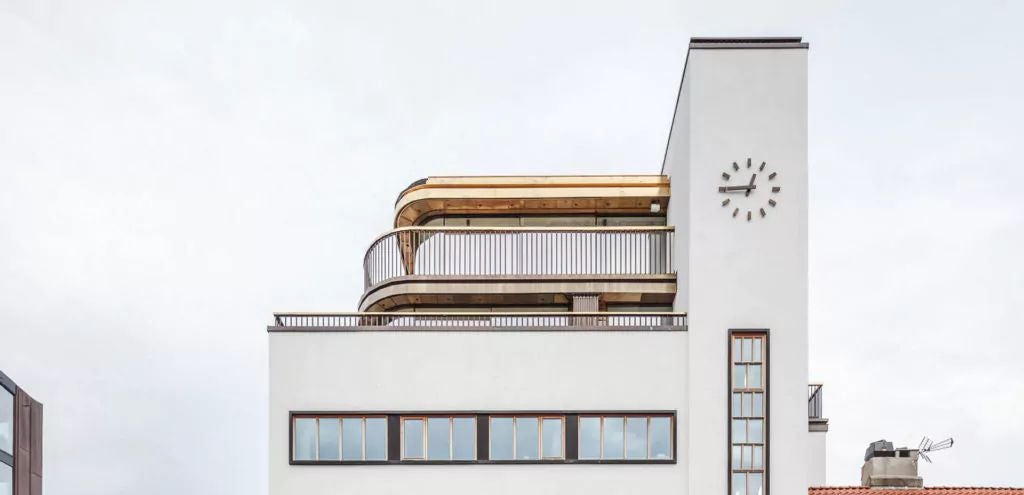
(526, 266)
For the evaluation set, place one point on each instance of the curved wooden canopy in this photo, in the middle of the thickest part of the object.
(555, 194)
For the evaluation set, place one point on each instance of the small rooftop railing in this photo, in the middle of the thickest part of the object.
(487, 251)
(477, 321)
(814, 401)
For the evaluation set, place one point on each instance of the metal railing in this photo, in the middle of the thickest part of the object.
(481, 321)
(519, 251)
(814, 401)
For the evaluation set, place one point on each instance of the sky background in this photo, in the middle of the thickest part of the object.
(172, 172)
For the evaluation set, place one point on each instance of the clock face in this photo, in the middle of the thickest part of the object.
(749, 191)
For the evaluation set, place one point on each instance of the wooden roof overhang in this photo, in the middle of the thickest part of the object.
(531, 195)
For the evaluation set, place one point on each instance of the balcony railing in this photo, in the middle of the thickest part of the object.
(814, 401)
(485, 251)
(477, 321)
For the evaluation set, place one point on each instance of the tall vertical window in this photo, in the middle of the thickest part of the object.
(439, 438)
(6, 421)
(748, 413)
(340, 438)
(527, 438)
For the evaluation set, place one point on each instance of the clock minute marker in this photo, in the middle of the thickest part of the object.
(771, 202)
(735, 212)
(761, 168)
(763, 213)
(776, 189)
(726, 202)
(772, 175)
(726, 176)
(748, 162)
(748, 215)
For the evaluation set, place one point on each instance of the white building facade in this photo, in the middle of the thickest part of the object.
(585, 334)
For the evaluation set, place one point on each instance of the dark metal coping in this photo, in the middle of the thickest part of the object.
(740, 42)
(7, 383)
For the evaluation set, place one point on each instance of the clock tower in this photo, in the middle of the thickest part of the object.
(737, 158)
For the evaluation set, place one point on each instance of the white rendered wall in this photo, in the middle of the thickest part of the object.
(475, 371)
(816, 458)
(735, 104)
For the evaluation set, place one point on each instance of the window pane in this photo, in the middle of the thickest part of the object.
(747, 454)
(661, 438)
(552, 437)
(590, 438)
(755, 376)
(739, 484)
(756, 431)
(329, 439)
(757, 350)
(736, 409)
(501, 438)
(305, 439)
(526, 438)
(746, 404)
(758, 458)
(437, 439)
(737, 456)
(754, 484)
(739, 376)
(758, 405)
(746, 349)
(636, 438)
(6, 479)
(6, 421)
(736, 351)
(376, 439)
(464, 439)
(352, 439)
(613, 429)
(739, 431)
(413, 441)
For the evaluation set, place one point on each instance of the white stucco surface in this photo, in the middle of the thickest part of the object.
(739, 104)
(475, 371)
(816, 458)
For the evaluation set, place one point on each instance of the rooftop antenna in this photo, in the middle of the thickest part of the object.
(927, 446)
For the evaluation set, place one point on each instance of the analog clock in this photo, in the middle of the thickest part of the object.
(749, 191)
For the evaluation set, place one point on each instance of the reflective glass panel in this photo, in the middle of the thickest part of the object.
(661, 438)
(757, 350)
(464, 439)
(305, 439)
(613, 433)
(376, 439)
(739, 376)
(756, 434)
(755, 376)
(636, 438)
(551, 430)
(501, 438)
(736, 409)
(758, 458)
(737, 456)
(590, 438)
(352, 439)
(747, 454)
(746, 404)
(758, 405)
(526, 438)
(413, 439)
(739, 431)
(754, 484)
(437, 439)
(736, 351)
(746, 349)
(328, 439)
(6, 479)
(739, 484)
(6, 421)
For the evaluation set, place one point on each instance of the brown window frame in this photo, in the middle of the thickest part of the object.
(765, 362)
(426, 443)
(540, 436)
(625, 446)
(341, 446)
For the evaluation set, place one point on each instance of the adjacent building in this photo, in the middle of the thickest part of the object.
(21, 441)
(580, 334)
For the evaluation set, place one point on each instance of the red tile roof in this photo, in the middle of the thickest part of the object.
(935, 490)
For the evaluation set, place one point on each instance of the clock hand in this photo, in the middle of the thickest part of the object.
(752, 177)
(723, 189)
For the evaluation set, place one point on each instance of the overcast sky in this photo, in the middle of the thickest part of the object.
(172, 172)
